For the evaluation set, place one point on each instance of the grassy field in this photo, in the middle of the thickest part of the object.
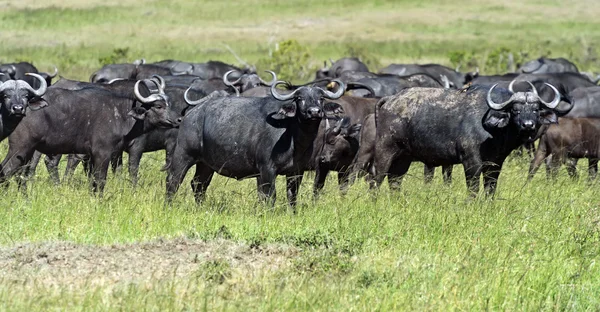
(429, 247)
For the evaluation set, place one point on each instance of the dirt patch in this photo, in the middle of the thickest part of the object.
(64, 263)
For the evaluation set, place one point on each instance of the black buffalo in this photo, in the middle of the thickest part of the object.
(445, 127)
(340, 66)
(91, 121)
(457, 79)
(246, 82)
(110, 72)
(18, 71)
(545, 65)
(243, 137)
(208, 70)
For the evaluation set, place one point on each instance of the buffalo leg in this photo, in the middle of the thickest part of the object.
(472, 166)
(447, 174)
(552, 164)
(52, 162)
(135, 156)
(428, 173)
(99, 170)
(32, 165)
(540, 154)
(321, 173)
(592, 168)
(200, 181)
(265, 184)
(293, 186)
(344, 180)
(491, 172)
(571, 164)
(383, 162)
(14, 162)
(179, 166)
(116, 162)
(73, 161)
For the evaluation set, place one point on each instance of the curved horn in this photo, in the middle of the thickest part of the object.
(55, 72)
(510, 86)
(231, 84)
(554, 103)
(162, 85)
(115, 79)
(533, 88)
(492, 104)
(43, 85)
(188, 101)
(281, 97)
(150, 99)
(272, 81)
(330, 60)
(14, 70)
(340, 91)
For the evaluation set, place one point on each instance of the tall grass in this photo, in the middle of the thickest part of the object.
(427, 247)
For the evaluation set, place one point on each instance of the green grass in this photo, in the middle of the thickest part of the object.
(429, 247)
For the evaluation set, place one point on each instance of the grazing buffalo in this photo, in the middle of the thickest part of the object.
(340, 66)
(242, 137)
(386, 85)
(570, 138)
(545, 65)
(208, 70)
(456, 78)
(110, 72)
(445, 127)
(90, 121)
(337, 142)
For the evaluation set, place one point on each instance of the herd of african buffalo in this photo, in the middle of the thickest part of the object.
(224, 119)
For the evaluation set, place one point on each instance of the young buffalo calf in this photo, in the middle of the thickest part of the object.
(570, 138)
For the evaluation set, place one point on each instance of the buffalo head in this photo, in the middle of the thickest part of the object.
(308, 102)
(154, 110)
(17, 95)
(340, 141)
(526, 110)
(248, 81)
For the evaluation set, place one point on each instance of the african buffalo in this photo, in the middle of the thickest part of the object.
(242, 137)
(342, 65)
(91, 121)
(337, 142)
(445, 127)
(110, 72)
(18, 71)
(545, 65)
(456, 78)
(570, 138)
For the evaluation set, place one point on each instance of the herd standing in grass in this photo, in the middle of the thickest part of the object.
(227, 120)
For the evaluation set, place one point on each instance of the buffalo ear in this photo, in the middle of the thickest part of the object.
(287, 110)
(333, 110)
(548, 117)
(138, 113)
(495, 119)
(39, 104)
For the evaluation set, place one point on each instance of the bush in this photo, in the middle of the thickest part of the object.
(290, 61)
(118, 55)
